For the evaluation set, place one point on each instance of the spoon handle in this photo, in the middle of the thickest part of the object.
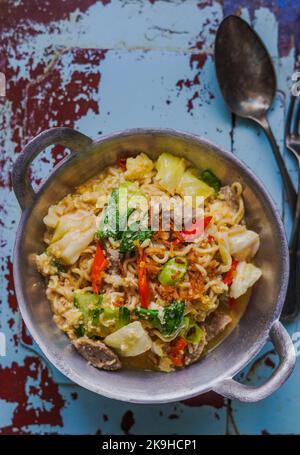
(290, 190)
(292, 302)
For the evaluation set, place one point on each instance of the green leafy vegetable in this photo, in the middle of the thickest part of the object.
(109, 319)
(124, 316)
(97, 315)
(211, 179)
(79, 331)
(117, 214)
(86, 302)
(192, 332)
(90, 306)
(173, 271)
(171, 320)
(173, 317)
(58, 265)
(109, 226)
(143, 313)
(129, 191)
(132, 236)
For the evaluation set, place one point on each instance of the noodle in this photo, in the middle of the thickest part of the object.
(203, 265)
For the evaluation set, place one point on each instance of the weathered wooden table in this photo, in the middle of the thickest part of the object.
(101, 66)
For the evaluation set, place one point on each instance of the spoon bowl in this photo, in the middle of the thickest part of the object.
(248, 82)
(244, 69)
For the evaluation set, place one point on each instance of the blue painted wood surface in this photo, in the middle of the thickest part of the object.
(101, 67)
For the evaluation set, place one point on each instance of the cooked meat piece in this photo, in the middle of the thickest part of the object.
(215, 324)
(97, 354)
(194, 352)
(228, 195)
(113, 256)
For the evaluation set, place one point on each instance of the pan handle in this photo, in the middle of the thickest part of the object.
(75, 141)
(287, 358)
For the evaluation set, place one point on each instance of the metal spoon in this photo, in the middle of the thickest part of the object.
(248, 82)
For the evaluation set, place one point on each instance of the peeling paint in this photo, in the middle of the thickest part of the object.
(269, 362)
(127, 422)
(257, 364)
(19, 383)
(56, 70)
(12, 301)
(206, 399)
(197, 60)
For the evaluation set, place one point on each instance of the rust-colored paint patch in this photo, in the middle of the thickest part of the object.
(19, 383)
(12, 301)
(11, 323)
(25, 336)
(14, 15)
(188, 83)
(206, 399)
(197, 60)
(53, 95)
(269, 362)
(60, 99)
(127, 422)
(190, 103)
(254, 369)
